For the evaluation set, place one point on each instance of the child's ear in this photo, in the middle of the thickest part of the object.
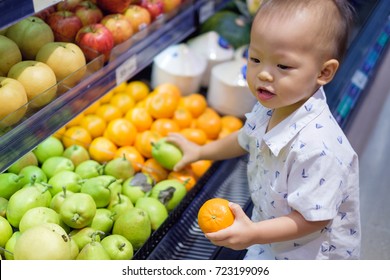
(328, 71)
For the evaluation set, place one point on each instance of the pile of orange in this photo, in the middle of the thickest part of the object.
(129, 117)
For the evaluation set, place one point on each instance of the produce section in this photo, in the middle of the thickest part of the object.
(66, 115)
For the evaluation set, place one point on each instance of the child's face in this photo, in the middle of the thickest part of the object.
(284, 62)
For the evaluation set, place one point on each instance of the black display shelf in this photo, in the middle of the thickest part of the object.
(126, 61)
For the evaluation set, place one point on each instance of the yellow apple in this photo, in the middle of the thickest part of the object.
(9, 54)
(13, 100)
(38, 80)
(67, 61)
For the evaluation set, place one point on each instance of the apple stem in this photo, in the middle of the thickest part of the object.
(76, 216)
(121, 246)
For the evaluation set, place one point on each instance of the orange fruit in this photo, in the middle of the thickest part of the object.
(138, 90)
(195, 103)
(140, 117)
(106, 98)
(210, 122)
(94, 124)
(76, 135)
(92, 108)
(121, 132)
(186, 176)
(215, 215)
(119, 88)
(60, 132)
(195, 135)
(164, 126)
(200, 167)
(162, 105)
(123, 101)
(102, 149)
(231, 122)
(224, 132)
(132, 155)
(108, 112)
(168, 88)
(75, 121)
(143, 142)
(183, 117)
(154, 169)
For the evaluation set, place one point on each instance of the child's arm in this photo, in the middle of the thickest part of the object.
(227, 147)
(244, 233)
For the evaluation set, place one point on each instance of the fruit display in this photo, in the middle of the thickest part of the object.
(105, 179)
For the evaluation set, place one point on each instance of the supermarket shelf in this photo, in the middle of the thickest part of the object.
(126, 61)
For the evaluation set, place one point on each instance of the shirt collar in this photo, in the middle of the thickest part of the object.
(280, 135)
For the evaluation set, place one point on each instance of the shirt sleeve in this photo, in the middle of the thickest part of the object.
(316, 185)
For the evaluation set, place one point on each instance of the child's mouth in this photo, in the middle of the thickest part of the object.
(264, 94)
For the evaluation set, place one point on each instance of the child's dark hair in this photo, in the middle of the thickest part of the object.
(336, 18)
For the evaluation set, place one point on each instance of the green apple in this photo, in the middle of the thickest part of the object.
(30, 34)
(3, 206)
(9, 184)
(78, 210)
(50, 147)
(120, 168)
(28, 159)
(74, 249)
(166, 154)
(84, 236)
(89, 169)
(77, 154)
(93, 251)
(157, 211)
(5, 231)
(9, 55)
(98, 189)
(170, 192)
(32, 174)
(118, 247)
(134, 225)
(13, 97)
(23, 200)
(103, 220)
(66, 178)
(38, 80)
(56, 164)
(10, 245)
(137, 186)
(59, 198)
(119, 205)
(43, 242)
(38, 215)
(66, 59)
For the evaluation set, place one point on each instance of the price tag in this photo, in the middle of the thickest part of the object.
(39, 5)
(125, 71)
(206, 11)
(359, 79)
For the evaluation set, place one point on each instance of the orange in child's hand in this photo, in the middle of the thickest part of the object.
(214, 215)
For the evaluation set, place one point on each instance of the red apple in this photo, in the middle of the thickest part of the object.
(65, 25)
(95, 39)
(170, 5)
(113, 6)
(43, 14)
(68, 5)
(119, 26)
(138, 16)
(88, 12)
(155, 7)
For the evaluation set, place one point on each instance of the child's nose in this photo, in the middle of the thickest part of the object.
(265, 76)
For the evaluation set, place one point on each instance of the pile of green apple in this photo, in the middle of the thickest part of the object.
(57, 203)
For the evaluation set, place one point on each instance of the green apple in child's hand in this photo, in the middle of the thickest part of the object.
(166, 154)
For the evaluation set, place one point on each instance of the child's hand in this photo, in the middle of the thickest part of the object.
(190, 150)
(235, 236)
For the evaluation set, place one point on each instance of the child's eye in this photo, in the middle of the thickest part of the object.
(283, 67)
(255, 60)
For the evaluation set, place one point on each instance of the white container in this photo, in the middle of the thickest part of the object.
(214, 49)
(179, 65)
(241, 53)
(228, 92)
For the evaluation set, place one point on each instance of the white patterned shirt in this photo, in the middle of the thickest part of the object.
(305, 163)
